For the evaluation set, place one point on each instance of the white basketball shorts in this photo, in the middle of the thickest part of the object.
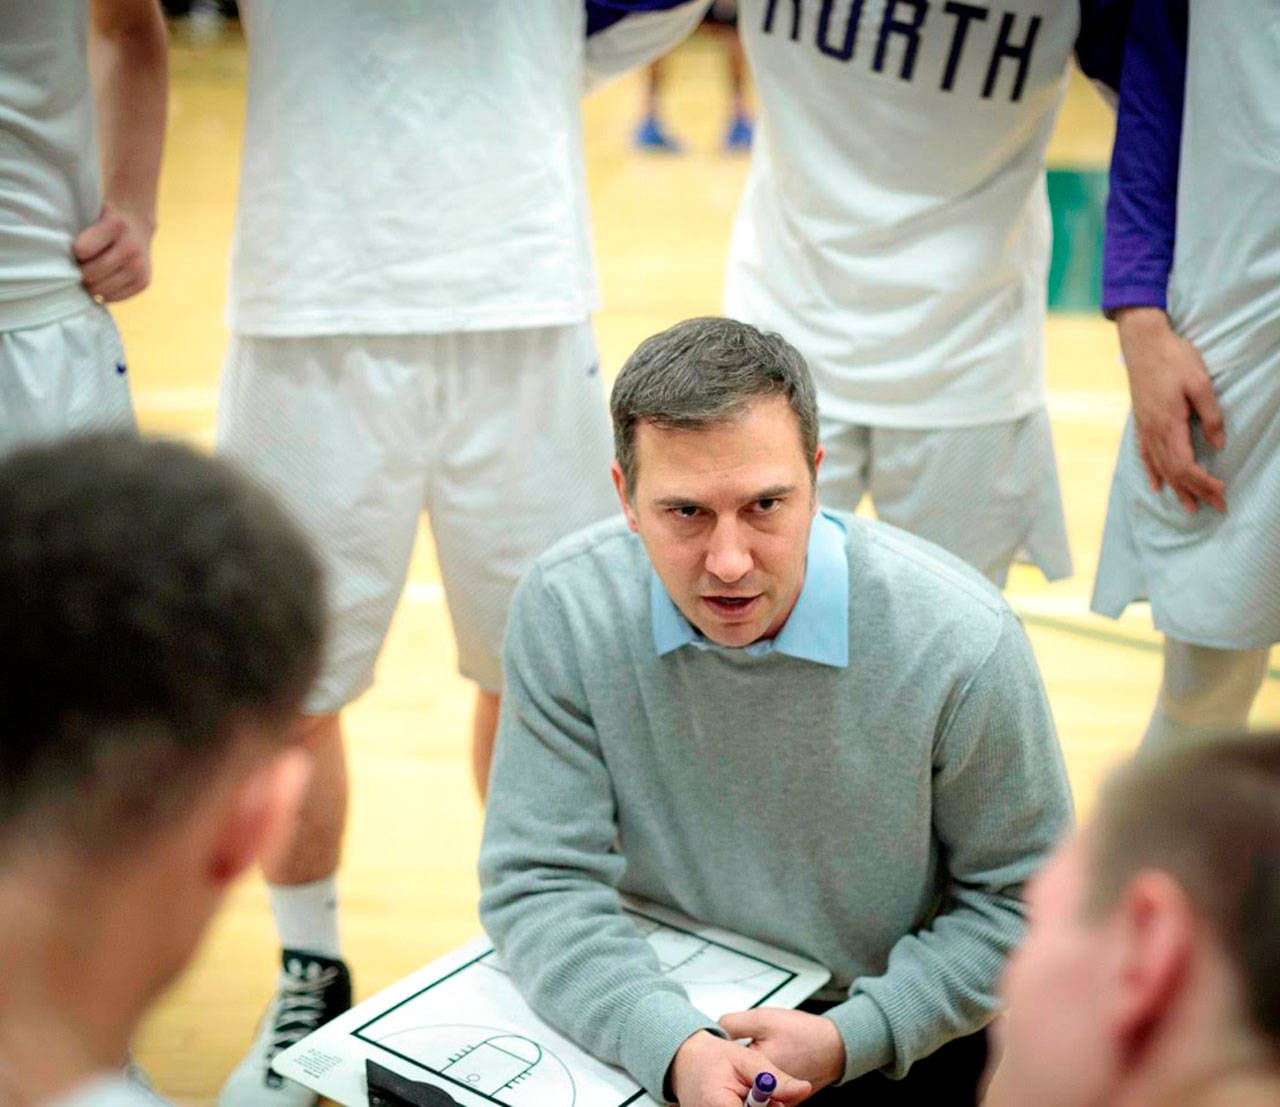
(502, 437)
(989, 494)
(63, 377)
(1213, 579)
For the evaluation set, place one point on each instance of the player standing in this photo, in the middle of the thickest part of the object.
(895, 227)
(1194, 518)
(72, 230)
(721, 20)
(411, 285)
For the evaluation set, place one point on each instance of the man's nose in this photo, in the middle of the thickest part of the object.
(729, 552)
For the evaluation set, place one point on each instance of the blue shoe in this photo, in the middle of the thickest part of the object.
(651, 136)
(740, 133)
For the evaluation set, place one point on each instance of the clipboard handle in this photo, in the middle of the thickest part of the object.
(390, 1089)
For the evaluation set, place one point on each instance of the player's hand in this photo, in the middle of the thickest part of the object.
(709, 1072)
(1168, 384)
(114, 254)
(809, 1046)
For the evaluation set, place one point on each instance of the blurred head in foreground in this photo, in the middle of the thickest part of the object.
(1150, 973)
(162, 620)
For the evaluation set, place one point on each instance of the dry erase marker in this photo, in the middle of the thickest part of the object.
(761, 1091)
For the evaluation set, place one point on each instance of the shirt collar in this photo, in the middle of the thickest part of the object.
(817, 628)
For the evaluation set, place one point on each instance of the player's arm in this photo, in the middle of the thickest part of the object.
(625, 34)
(129, 65)
(1099, 45)
(1168, 383)
(549, 869)
(1000, 803)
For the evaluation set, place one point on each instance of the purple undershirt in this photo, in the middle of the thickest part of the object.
(1143, 199)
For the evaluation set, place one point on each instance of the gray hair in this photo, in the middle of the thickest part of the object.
(707, 370)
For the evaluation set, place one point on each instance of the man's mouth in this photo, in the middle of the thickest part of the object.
(731, 607)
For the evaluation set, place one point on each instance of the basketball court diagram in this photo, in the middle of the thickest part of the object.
(697, 962)
(492, 1057)
(462, 1024)
(490, 1061)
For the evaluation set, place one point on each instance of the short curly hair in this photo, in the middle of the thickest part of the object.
(153, 600)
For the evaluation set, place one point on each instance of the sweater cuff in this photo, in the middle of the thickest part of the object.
(868, 1041)
(655, 1030)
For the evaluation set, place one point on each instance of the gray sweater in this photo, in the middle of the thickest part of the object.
(878, 817)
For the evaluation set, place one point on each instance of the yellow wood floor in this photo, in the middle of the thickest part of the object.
(661, 227)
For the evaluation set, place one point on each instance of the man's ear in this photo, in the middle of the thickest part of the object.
(260, 814)
(1155, 927)
(818, 455)
(620, 486)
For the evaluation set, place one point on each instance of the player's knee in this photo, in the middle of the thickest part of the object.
(1210, 688)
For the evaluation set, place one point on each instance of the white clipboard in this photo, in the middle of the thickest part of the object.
(459, 1023)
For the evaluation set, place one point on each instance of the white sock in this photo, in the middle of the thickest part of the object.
(307, 916)
(1204, 692)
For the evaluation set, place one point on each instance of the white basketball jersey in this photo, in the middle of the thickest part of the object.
(411, 167)
(49, 177)
(1224, 289)
(895, 224)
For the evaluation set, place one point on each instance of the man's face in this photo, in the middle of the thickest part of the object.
(724, 513)
(1057, 1049)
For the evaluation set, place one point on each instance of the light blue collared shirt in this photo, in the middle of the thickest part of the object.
(817, 628)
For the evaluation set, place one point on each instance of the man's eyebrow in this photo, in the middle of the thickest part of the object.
(773, 492)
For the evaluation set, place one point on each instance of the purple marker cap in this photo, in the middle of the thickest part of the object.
(766, 1082)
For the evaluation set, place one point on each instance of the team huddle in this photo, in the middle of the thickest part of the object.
(692, 660)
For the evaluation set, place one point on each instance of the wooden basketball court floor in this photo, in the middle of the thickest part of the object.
(661, 229)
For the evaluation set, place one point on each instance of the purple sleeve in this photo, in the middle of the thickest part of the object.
(1142, 204)
(1100, 42)
(603, 14)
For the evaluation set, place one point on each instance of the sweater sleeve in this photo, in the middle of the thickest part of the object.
(1143, 197)
(549, 865)
(1001, 801)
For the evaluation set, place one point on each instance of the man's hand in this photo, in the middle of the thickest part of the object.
(1168, 383)
(709, 1072)
(114, 255)
(807, 1045)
